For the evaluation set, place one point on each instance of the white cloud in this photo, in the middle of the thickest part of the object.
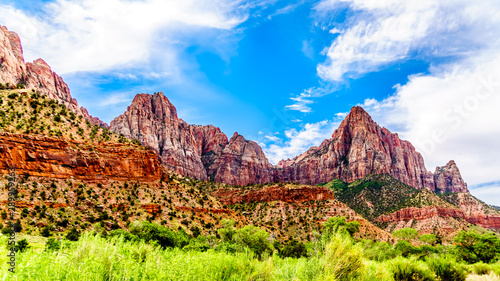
(94, 35)
(307, 49)
(297, 142)
(302, 101)
(452, 113)
(381, 32)
(115, 99)
(488, 194)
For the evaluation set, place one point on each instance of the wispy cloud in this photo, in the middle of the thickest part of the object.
(302, 101)
(115, 99)
(92, 35)
(298, 141)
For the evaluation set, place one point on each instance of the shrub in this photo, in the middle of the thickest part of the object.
(447, 269)
(293, 249)
(73, 234)
(22, 245)
(410, 270)
(342, 258)
(473, 247)
(52, 245)
(481, 268)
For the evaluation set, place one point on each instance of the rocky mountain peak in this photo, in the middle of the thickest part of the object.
(448, 179)
(36, 75)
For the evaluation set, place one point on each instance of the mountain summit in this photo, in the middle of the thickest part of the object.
(359, 147)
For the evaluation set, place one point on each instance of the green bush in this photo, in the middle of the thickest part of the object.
(22, 245)
(342, 258)
(481, 268)
(73, 235)
(473, 247)
(293, 249)
(255, 239)
(447, 269)
(410, 270)
(52, 245)
(406, 234)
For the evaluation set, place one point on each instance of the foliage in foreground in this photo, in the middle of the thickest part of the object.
(154, 252)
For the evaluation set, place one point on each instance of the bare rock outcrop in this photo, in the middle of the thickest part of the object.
(58, 158)
(360, 147)
(449, 179)
(35, 75)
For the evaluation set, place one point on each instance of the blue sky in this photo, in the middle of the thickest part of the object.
(285, 73)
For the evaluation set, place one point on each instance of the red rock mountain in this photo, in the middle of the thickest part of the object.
(201, 152)
(359, 147)
(34, 75)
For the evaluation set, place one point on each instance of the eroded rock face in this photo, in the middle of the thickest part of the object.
(448, 179)
(153, 120)
(242, 162)
(201, 152)
(57, 158)
(36, 75)
(360, 147)
(412, 214)
(275, 193)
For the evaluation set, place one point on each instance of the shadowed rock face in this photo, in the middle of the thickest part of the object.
(36, 75)
(359, 147)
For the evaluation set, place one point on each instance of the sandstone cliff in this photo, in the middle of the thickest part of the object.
(360, 147)
(201, 152)
(58, 158)
(36, 75)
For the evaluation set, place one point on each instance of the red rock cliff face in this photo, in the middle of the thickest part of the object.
(275, 193)
(36, 75)
(152, 120)
(360, 147)
(201, 152)
(449, 179)
(242, 162)
(57, 158)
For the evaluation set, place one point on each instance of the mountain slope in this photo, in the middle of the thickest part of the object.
(392, 204)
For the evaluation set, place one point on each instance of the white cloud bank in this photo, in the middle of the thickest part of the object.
(381, 32)
(451, 113)
(94, 35)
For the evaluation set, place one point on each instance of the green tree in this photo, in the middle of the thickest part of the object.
(339, 225)
(293, 249)
(428, 238)
(254, 238)
(473, 247)
(227, 231)
(406, 234)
